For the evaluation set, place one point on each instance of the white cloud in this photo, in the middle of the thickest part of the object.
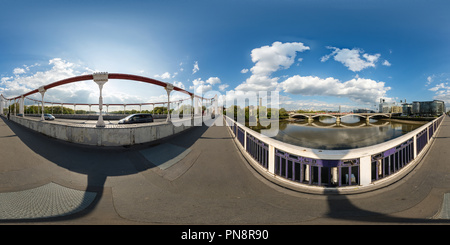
(244, 71)
(213, 80)
(196, 69)
(196, 83)
(166, 75)
(201, 87)
(179, 84)
(357, 89)
(430, 80)
(439, 86)
(18, 71)
(259, 83)
(442, 92)
(269, 59)
(222, 87)
(386, 63)
(352, 58)
(60, 69)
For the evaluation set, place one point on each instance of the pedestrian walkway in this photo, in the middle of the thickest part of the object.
(204, 179)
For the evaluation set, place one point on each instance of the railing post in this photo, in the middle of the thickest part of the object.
(245, 139)
(365, 169)
(21, 106)
(271, 162)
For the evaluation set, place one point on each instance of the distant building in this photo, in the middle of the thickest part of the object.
(389, 107)
(396, 109)
(406, 109)
(363, 111)
(428, 108)
(416, 108)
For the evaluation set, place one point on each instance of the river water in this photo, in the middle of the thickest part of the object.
(351, 133)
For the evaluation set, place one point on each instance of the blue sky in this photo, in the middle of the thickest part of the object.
(317, 54)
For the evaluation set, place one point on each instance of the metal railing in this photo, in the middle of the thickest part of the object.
(333, 168)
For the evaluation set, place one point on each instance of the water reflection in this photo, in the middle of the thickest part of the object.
(352, 132)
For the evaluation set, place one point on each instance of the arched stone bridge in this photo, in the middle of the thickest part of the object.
(338, 116)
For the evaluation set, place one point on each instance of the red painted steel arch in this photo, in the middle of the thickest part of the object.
(110, 76)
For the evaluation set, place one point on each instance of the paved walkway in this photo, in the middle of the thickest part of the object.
(205, 181)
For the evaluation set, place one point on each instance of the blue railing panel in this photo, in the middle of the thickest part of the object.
(240, 135)
(422, 140)
(258, 150)
(316, 171)
(392, 160)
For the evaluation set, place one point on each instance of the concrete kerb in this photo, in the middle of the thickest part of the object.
(112, 135)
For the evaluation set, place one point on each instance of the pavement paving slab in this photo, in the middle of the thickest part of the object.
(47, 201)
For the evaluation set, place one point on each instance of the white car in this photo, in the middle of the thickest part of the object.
(49, 117)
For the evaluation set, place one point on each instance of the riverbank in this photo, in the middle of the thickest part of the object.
(410, 121)
(413, 119)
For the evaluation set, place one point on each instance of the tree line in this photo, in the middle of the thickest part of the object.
(34, 109)
(247, 112)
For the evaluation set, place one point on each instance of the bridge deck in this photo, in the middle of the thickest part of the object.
(210, 184)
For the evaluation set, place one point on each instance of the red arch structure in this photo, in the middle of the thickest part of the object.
(169, 87)
(110, 76)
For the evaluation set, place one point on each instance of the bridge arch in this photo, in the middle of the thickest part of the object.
(325, 114)
(109, 76)
(298, 115)
(347, 115)
(100, 79)
(379, 114)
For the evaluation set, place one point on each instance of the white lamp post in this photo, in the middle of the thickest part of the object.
(42, 91)
(100, 78)
(169, 88)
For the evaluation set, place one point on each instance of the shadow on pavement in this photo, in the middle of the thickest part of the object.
(97, 163)
(341, 208)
